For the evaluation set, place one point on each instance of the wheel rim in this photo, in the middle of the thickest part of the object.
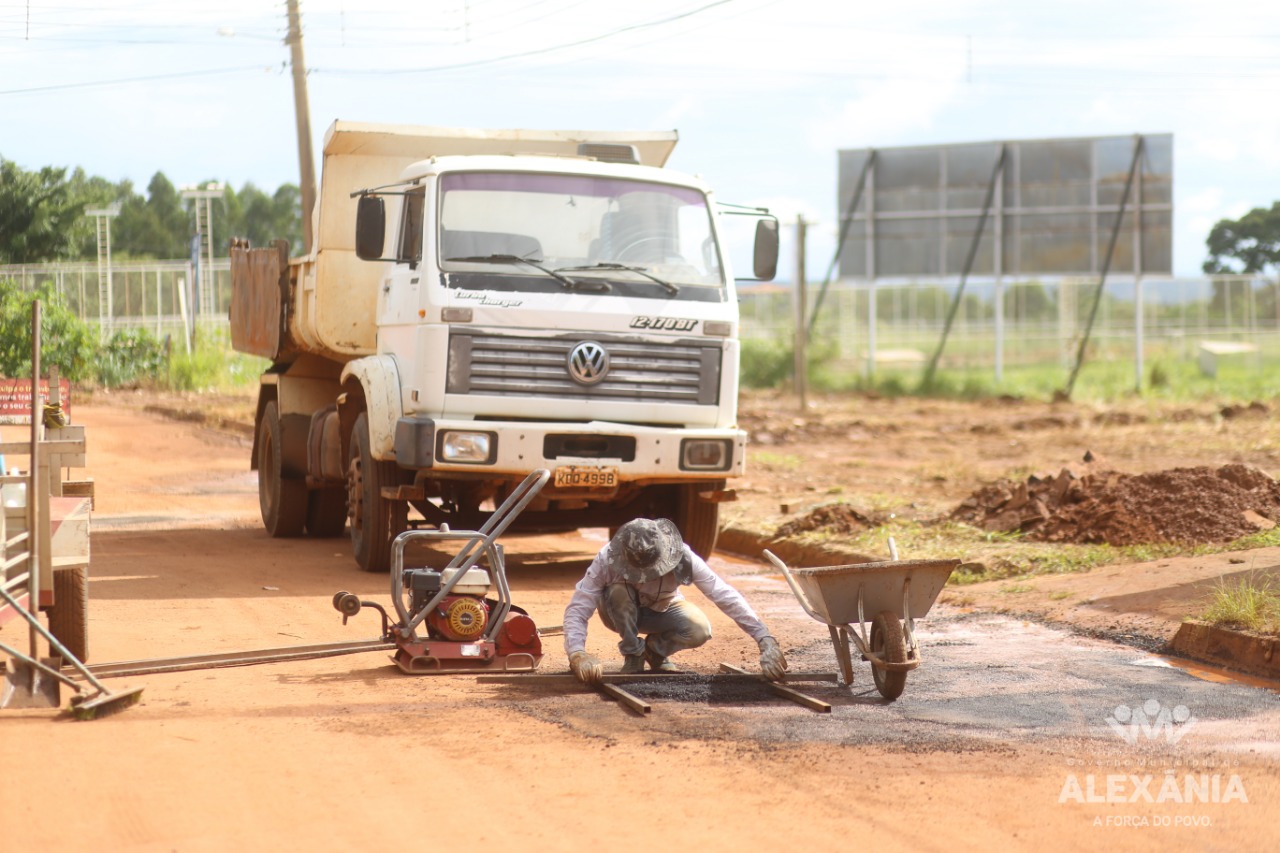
(355, 496)
(877, 649)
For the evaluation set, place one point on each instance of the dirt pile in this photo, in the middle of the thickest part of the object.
(1182, 505)
(832, 518)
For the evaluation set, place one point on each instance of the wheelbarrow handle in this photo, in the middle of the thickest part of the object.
(795, 587)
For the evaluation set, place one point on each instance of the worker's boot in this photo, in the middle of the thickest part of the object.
(632, 664)
(657, 662)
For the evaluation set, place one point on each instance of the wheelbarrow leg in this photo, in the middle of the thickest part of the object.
(840, 639)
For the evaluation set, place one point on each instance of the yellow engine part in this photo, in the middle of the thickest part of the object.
(466, 617)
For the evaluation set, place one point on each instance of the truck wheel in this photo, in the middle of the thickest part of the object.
(698, 520)
(69, 616)
(283, 501)
(326, 513)
(375, 521)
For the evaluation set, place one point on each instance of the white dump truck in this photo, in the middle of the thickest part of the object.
(479, 304)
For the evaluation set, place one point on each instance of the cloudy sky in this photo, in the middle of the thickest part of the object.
(763, 92)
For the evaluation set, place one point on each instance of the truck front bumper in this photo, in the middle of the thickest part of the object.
(634, 454)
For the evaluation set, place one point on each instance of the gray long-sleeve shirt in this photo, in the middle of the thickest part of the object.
(587, 596)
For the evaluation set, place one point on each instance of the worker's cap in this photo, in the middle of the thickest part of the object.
(646, 549)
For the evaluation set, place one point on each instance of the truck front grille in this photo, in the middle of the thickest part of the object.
(682, 371)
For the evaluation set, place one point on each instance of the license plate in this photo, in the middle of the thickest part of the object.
(570, 477)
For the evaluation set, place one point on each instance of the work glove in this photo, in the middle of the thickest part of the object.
(772, 662)
(587, 669)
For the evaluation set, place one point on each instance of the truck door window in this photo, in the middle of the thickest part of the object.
(410, 243)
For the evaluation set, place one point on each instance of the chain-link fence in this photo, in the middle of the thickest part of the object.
(868, 326)
(998, 325)
(162, 297)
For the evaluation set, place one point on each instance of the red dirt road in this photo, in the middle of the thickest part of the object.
(348, 754)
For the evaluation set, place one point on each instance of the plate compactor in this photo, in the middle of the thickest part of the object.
(460, 618)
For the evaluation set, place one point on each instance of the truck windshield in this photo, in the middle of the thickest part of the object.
(631, 238)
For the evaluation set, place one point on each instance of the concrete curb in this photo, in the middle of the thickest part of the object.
(196, 416)
(1251, 654)
(750, 543)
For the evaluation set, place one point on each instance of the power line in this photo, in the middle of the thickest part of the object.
(536, 52)
(148, 79)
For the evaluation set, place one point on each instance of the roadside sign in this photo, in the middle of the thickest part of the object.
(15, 398)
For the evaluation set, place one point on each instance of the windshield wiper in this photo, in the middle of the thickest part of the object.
(671, 288)
(571, 284)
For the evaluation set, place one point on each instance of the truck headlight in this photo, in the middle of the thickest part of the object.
(706, 454)
(477, 448)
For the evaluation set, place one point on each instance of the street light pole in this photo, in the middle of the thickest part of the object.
(102, 222)
(206, 303)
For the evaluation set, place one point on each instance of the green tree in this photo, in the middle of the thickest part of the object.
(262, 218)
(156, 227)
(1029, 300)
(41, 214)
(65, 339)
(1249, 244)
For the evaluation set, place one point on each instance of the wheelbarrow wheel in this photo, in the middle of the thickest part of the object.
(889, 644)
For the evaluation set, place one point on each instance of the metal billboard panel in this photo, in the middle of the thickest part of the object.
(1053, 207)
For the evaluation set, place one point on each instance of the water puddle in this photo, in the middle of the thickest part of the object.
(1208, 672)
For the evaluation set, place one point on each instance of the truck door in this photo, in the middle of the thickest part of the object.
(401, 284)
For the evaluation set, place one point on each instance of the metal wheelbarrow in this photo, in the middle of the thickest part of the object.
(895, 593)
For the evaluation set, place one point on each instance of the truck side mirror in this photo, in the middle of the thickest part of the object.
(765, 261)
(371, 227)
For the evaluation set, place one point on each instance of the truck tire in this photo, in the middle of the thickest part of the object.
(698, 520)
(326, 513)
(283, 501)
(69, 616)
(375, 521)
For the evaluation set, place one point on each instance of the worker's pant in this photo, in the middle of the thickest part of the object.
(681, 626)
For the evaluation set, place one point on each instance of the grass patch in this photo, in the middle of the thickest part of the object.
(1251, 603)
(996, 556)
(784, 461)
(1107, 376)
(1060, 595)
(212, 366)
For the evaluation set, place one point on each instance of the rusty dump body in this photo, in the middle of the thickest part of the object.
(259, 302)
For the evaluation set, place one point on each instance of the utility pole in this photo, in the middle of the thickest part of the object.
(106, 311)
(302, 112)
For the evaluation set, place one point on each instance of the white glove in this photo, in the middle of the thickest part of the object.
(587, 669)
(773, 665)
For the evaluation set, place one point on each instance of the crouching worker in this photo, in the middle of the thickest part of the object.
(635, 583)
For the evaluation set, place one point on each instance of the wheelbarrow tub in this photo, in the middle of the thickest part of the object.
(832, 591)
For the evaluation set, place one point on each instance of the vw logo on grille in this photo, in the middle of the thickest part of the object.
(588, 363)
